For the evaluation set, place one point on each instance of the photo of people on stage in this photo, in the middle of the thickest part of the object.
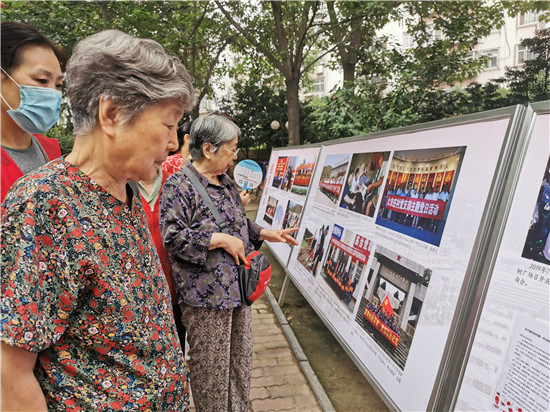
(537, 243)
(302, 175)
(392, 301)
(292, 216)
(270, 210)
(313, 245)
(363, 182)
(344, 264)
(418, 192)
(294, 173)
(332, 179)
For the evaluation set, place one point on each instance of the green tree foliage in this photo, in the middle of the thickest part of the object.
(254, 106)
(353, 29)
(365, 109)
(193, 31)
(288, 36)
(415, 87)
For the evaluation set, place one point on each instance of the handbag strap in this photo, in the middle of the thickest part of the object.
(206, 197)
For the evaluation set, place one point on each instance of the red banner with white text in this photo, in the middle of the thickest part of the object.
(381, 327)
(431, 209)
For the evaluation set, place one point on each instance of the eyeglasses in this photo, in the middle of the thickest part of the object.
(235, 152)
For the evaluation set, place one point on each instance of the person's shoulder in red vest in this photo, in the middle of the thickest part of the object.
(51, 146)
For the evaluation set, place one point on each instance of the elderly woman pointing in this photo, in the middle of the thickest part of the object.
(204, 265)
(86, 319)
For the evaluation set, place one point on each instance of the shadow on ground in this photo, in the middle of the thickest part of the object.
(345, 385)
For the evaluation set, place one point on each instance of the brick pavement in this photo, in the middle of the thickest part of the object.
(278, 383)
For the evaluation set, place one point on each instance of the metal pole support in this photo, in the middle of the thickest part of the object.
(284, 288)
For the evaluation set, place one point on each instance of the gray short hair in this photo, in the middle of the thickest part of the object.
(135, 73)
(214, 129)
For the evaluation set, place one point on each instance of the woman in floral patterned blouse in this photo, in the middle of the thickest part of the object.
(86, 319)
(204, 265)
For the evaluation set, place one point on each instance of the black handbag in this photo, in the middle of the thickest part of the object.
(255, 274)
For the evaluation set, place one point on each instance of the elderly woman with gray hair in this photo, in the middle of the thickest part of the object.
(86, 312)
(204, 264)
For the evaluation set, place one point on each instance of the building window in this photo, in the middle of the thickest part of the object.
(432, 33)
(408, 40)
(206, 105)
(319, 86)
(528, 18)
(524, 54)
(492, 55)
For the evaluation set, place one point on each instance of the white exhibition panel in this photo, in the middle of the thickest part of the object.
(398, 251)
(509, 364)
(286, 187)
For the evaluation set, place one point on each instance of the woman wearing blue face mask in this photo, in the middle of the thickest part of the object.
(31, 98)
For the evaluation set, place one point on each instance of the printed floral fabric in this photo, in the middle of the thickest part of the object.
(204, 278)
(82, 286)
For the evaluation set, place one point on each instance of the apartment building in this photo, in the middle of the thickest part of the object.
(502, 46)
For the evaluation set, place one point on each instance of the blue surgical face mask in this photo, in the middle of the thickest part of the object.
(38, 110)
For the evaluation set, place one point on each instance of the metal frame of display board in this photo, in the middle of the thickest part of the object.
(489, 238)
(467, 306)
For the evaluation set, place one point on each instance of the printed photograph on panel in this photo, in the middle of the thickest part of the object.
(314, 243)
(418, 192)
(292, 216)
(391, 303)
(302, 172)
(362, 188)
(332, 180)
(269, 214)
(537, 243)
(280, 171)
(344, 264)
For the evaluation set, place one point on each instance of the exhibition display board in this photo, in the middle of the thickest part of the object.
(389, 229)
(508, 368)
(286, 188)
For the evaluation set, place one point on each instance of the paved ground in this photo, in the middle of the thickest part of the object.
(278, 383)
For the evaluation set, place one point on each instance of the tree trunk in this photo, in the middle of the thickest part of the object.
(196, 111)
(292, 97)
(105, 12)
(349, 74)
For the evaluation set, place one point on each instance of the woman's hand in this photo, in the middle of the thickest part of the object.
(245, 197)
(283, 235)
(231, 244)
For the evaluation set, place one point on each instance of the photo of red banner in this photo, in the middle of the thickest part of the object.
(332, 187)
(381, 327)
(432, 209)
(357, 254)
(281, 167)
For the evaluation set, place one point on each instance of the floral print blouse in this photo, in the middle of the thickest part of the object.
(82, 286)
(204, 278)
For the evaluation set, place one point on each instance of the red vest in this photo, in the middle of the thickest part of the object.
(11, 172)
(153, 219)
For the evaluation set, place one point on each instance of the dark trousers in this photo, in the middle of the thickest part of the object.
(179, 326)
(220, 352)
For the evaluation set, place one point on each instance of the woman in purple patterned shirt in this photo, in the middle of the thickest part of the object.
(204, 264)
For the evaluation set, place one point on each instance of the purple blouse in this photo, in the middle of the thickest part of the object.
(204, 278)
